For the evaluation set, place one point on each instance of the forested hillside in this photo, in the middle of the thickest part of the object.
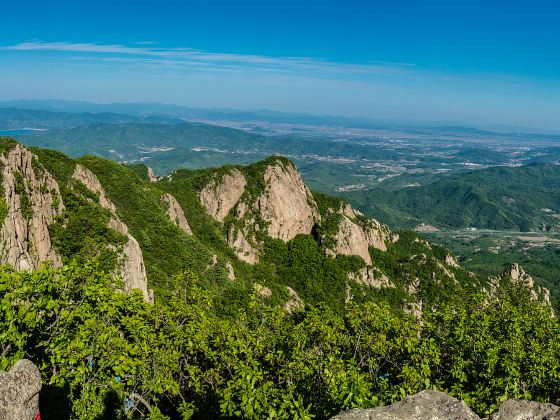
(525, 198)
(238, 292)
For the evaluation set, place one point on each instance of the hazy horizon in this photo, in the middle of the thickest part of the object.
(479, 64)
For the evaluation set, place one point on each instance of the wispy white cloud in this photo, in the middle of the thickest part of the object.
(150, 55)
(189, 57)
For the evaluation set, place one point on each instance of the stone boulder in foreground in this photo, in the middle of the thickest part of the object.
(19, 391)
(426, 405)
(435, 405)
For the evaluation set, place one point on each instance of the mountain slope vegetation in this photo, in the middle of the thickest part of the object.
(524, 198)
(236, 292)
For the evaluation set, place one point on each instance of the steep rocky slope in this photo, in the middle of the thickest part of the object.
(235, 227)
(176, 213)
(32, 200)
(131, 261)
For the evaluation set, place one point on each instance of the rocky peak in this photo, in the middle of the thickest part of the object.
(356, 234)
(285, 207)
(221, 194)
(131, 261)
(175, 213)
(286, 203)
(33, 200)
(516, 274)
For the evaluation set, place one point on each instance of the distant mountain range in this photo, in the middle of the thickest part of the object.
(264, 115)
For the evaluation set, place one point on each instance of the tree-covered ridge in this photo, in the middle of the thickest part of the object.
(106, 354)
(416, 270)
(524, 198)
(295, 335)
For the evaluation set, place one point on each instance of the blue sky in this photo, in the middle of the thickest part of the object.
(478, 62)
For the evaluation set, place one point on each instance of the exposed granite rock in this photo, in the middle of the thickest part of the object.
(348, 211)
(350, 240)
(517, 275)
(294, 303)
(19, 391)
(355, 235)
(435, 405)
(176, 213)
(450, 260)
(286, 203)
(26, 241)
(377, 234)
(426, 405)
(214, 260)
(219, 196)
(131, 261)
(526, 410)
(151, 176)
(262, 290)
(230, 271)
(372, 277)
(238, 240)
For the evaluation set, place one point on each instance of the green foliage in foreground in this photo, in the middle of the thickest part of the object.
(105, 354)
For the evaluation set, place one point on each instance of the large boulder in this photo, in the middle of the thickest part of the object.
(19, 391)
(526, 410)
(426, 405)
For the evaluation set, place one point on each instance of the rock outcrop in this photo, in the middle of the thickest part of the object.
(286, 203)
(356, 234)
(435, 405)
(221, 194)
(451, 261)
(526, 410)
(151, 176)
(230, 271)
(176, 213)
(426, 405)
(239, 240)
(19, 391)
(372, 277)
(33, 200)
(350, 239)
(517, 275)
(294, 303)
(131, 261)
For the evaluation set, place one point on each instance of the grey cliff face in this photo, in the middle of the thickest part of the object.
(33, 201)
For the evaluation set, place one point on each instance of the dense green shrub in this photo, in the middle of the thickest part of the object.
(101, 352)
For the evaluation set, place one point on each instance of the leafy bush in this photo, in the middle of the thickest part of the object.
(106, 354)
